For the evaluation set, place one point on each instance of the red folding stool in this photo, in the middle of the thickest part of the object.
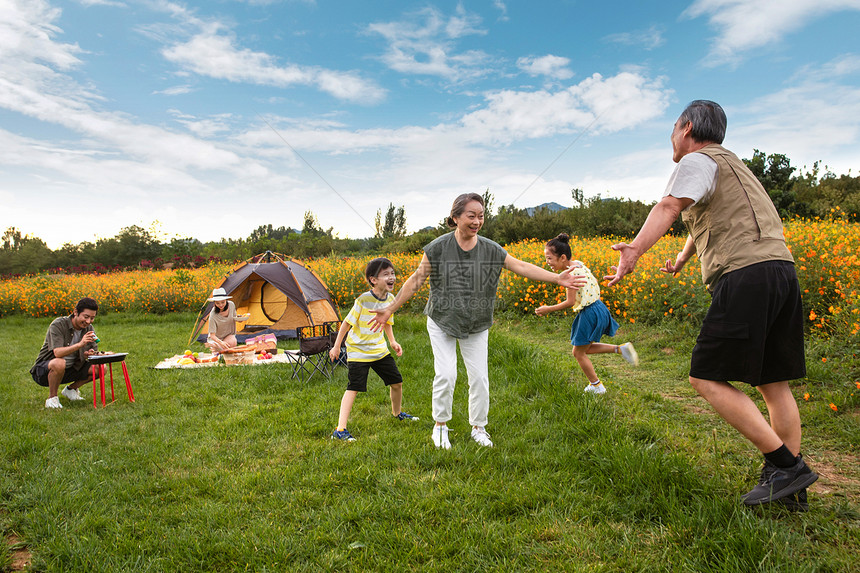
(99, 360)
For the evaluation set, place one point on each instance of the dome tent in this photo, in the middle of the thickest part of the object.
(280, 294)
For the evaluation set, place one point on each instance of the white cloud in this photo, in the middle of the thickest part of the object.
(211, 54)
(845, 65)
(207, 127)
(744, 25)
(113, 3)
(603, 105)
(463, 24)
(554, 67)
(598, 103)
(471, 152)
(647, 39)
(31, 87)
(26, 31)
(176, 90)
(503, 10)
(425, 45)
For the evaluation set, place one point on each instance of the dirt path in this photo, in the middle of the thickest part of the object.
(20, 555)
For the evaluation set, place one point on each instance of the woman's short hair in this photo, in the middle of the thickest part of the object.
(460, 205)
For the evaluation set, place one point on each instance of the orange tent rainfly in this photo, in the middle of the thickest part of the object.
(281, 294)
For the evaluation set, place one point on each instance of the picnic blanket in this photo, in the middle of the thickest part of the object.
(282, 357)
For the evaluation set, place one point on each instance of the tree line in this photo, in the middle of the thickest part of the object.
(807, 194)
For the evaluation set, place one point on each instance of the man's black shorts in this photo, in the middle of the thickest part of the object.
(39, 372)
(753, 331)
(385, 368)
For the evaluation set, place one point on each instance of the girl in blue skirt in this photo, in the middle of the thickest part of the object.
(592, 321)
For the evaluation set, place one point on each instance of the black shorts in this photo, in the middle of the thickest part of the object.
(385, 368)
(753, 331)
(39, 372)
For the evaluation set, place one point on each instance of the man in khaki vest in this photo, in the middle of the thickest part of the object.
(753, 331)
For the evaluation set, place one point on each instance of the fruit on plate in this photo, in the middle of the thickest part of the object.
(186, 360)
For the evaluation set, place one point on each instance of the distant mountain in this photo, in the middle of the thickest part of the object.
(551, 206)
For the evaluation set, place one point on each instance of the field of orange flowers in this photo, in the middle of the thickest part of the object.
(145, 291)
(825, 251)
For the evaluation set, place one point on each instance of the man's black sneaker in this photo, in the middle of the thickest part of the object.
(796, 502)
(780, 483)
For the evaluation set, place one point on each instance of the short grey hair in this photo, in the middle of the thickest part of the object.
(708, 120)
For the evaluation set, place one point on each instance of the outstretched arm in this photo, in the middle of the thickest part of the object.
(534, 272)
(567, 303)
(681, 259)
(409, 288)
(661, 217)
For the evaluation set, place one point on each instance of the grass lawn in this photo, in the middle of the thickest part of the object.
(232, 469)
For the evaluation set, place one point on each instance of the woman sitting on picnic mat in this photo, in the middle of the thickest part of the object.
(222, 322)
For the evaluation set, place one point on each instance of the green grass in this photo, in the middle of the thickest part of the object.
(231, 469)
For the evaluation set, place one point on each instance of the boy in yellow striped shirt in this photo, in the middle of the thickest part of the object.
(366, 348)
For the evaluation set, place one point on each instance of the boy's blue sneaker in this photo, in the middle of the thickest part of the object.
(342, 435)
(405, 416)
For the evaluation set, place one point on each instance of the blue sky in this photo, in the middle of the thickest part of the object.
(210, 118)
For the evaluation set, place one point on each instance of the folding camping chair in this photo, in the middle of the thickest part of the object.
(313, 354)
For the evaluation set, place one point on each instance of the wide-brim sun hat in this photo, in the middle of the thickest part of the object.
(219, 294)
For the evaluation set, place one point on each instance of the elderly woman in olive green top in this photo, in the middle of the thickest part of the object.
(464, 270)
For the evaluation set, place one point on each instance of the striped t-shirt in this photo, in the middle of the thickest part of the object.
(362, 343)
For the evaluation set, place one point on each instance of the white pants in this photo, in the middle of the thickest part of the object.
(474, 352)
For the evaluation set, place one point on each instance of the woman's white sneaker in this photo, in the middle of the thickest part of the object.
(480, 435)
(440, 437)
